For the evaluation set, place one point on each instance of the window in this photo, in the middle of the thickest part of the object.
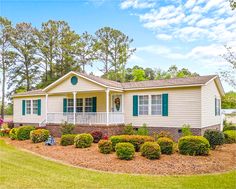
(70, 106)
(156, 104)
(35, 106)
(28, 106)
(79, 105)
(143, 105)
(88, 105)
(217, 107)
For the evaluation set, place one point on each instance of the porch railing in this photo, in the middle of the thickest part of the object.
(86, 117)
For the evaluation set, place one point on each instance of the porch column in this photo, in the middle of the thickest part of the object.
(74, 105)
(107, 104)
(46, 108)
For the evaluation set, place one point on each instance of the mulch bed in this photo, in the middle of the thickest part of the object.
(220, 160)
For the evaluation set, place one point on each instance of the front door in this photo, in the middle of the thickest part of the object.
(117, 103)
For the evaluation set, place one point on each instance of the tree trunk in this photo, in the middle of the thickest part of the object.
(3, 88)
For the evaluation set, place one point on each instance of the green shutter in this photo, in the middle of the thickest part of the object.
(23, 107)
(135, 105)
(94, 104)
(164, 104)
(64, 105)
(39, 106)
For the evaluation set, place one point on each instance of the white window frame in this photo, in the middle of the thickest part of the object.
(77, 106)
(70, 106)
(143, 105)
(156, 105)
(30, 107)
(218, 107)
(90, 106)
(34, 108)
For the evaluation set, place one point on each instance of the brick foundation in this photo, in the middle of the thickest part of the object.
(106, 130)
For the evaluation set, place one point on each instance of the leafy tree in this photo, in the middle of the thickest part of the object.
(149, 74)
(6, 54)
(138, 75)
(26, 69)
(229, 100)
(232, 4)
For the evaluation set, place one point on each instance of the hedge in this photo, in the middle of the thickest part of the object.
(214, 137)
(67, 139)
(12, 133)
(166, 144)
(39, 135)
(151, 150)
(105, 146)
(83, 140)
(230, 136)
(23, 132)
(125, 150)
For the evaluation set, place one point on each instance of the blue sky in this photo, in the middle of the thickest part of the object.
(189, 33)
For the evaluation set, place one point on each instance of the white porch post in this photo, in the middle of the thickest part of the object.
(107, 104)
(74, 107)
(46, 108)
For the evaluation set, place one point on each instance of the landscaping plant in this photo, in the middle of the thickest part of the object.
(67, 139)
(136, 140)
(23, 132)
(166, 145)
(186, 130)
(12, 133)
(83, 140)
(193, 145)
(230, 136)
(97, 135)
(164, 134)
(128, 129)
(4, 131)
(39, 135)
(143, 130)
(214, 137)
(151, 150)
(125, 150)
(67, 128)
(105, 146)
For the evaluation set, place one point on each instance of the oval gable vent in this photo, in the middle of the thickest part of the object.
(74, 80)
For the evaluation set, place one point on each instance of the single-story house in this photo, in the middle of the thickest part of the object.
(94, 103)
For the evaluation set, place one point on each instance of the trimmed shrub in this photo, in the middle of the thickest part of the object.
(83, 140)
(23, 132)
(230, 136)
(193, 145)
(151, 150)
(186, 130)
(12, 133)
(67, 128)
(136, 140)
(39, 135)
(128, 129)
(214, 137)
(143, 130)
(166, 144)
(229, 127)
(125, 150)
(67, 139)
(105, 146)
(97, 135)
(164, 134)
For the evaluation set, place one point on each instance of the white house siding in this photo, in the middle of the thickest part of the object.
(209, 93)
(82, 85)
(32, 118)
(184, 108)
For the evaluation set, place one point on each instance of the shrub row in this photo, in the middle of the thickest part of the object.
(67, 139)
(23, 132)
(39, 135)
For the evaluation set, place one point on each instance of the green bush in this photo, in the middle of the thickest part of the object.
(136, 140)
(166, 144)
(67, 139)
(186, 130)
(193, 145)
(128, 129)
(23, 132)
(230, 136)
(67, 128)
(12, 133)
(164, 134)
(39, 135)
(151, 150)
(125, 150)
(229, 127)
(143, 130)
(105, 146)
(83, 140)
(214, 137)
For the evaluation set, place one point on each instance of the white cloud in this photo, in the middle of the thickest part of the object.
(164, 36)
(190, 3)
(137, 4)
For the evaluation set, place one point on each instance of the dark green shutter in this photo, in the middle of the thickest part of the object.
(39, 106)
(135, 105)
(64, 105)
(23, 107)
(94, 104)
(164, 104)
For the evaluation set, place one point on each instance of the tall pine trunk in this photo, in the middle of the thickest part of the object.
(3, 89)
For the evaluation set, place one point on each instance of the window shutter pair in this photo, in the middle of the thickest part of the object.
(39, 107)
(94, 103)
(164, 105)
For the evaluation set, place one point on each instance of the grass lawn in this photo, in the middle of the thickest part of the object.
(23, 170)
